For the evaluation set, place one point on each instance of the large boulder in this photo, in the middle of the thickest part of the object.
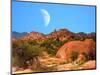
(74, 49)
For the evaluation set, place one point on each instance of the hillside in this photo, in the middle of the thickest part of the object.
(34, 36)
(59, 50)
(61, 35)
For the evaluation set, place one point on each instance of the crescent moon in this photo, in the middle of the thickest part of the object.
(46, 16)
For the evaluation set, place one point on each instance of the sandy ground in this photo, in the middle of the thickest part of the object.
(59, 65)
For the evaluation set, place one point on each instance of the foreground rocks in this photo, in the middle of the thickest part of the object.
(73, 66)
(23, 71)
(91, 64)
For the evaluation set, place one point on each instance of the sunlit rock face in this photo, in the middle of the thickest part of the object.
(34, 36)
(86, 47)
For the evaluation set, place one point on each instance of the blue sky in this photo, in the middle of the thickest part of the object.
(27, 17)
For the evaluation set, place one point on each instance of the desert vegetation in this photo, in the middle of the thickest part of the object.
(58, 51)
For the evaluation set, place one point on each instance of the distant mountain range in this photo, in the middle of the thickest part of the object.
(62, 34)
(18, 35)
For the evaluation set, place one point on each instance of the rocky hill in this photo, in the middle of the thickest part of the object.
(61, 35)
(34, 36)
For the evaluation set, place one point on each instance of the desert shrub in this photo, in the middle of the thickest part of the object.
(65, 41)
(23, 52)
(92, 54)
(79, 38)
(15, 46)
(33, 42)
(74, 55)
(76, 38)
(49, 46)
(14, 61)
(46, 43)
(57, 43)
(81, 62)
(51, 52)
(89, 56)
(86, 54)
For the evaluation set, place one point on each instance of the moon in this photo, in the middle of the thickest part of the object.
(46, 17)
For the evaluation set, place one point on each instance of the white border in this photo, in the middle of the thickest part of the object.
(86, 2)
(5, 37)
(5, 27)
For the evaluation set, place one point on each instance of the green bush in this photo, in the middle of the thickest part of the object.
(49, 46)
(74, 55)
(81, 62)
(23, 52)
(33, 42)
(86, 54)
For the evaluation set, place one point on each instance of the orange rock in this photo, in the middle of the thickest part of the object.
(87, 46)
